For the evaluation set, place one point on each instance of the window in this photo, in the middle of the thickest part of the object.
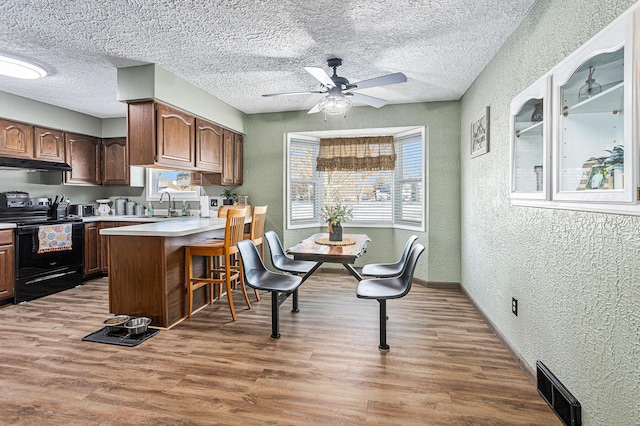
(379, 198)
(176, 182)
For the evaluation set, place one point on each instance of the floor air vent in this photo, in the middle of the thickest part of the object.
(565, 405)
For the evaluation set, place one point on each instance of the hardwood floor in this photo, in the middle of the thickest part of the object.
(445, 367)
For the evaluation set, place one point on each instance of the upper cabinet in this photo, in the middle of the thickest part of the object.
(530, 124)
(176, 137)
(83, 155)
(49, 145)
(16, 139)
(115, 167)
(208, 146)
(573, 143)
(594, 144)
(163, 136)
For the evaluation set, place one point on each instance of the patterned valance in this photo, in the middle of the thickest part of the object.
(356, 154)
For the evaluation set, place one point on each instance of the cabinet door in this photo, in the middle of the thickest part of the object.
(6, 264)
(49, 145)
(237, 161)
(103, 246)
(16, 139)
(83, 154)
(208, 146)
(115, 167)
(595, 143)
(530, 118)
(175, 138)
(91, 257)
(228, 151)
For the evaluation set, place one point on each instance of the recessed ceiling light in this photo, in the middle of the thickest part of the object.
(20, 69)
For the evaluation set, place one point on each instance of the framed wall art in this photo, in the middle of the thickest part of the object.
(480, 133)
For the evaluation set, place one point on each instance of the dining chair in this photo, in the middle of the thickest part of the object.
(256, 231)
(385, 270)
(224, 272)
(382, 289)
(258, 277)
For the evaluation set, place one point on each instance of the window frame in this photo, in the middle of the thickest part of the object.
(151, 175)
(314, 137)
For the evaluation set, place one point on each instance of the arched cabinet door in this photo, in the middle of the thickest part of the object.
(530, 126)
(594, 145)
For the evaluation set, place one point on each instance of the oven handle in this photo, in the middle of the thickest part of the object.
(48, 277)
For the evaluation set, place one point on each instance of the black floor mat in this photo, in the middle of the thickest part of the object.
(119, 337)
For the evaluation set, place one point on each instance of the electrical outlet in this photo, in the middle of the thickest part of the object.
(514, 306)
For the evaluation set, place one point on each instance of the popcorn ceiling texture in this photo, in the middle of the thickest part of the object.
(576, 275)
(238, 50)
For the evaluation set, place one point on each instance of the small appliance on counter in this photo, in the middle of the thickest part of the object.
(82, 210)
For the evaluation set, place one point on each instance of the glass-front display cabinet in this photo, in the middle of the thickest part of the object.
(593, 142)
(530, 124)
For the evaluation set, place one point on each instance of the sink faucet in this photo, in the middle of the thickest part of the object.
(168, 195)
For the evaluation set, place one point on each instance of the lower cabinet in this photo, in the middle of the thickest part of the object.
(103, 247)
(91, 242)
(7, 255)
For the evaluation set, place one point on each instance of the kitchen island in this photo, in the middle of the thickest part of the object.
(147, 267)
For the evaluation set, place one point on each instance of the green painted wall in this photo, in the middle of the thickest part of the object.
(576, 274)
(264, 165)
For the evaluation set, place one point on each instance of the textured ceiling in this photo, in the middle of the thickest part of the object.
(237, 50)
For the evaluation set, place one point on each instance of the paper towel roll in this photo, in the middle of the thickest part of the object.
(204, 206)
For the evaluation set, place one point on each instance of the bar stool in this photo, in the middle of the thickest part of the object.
(224, 274)
(256, 232)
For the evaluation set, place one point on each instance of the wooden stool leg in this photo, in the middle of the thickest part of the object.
(244, 290)
(189, 286)
(227, 279)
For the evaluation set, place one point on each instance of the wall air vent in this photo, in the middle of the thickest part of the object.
(563, 403)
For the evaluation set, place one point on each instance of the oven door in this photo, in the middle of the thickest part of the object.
(39, 274)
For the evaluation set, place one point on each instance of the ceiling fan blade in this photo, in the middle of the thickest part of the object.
(368, 100)
(320, 75)
(315, 109)
(394, 78)
(295, 93)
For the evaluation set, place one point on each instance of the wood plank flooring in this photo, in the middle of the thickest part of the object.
(445, 367)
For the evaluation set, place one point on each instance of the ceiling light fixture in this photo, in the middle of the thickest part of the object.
(335, 103)
(20, 69)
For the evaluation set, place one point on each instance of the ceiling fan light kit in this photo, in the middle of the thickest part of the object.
(339, 90)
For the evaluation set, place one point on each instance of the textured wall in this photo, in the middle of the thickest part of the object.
(576, 274)
(264, 176)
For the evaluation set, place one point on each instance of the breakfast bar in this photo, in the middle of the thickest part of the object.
(147, 268)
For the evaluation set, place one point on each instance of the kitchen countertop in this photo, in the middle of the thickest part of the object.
(174, 227)
(7, 225)
(113, 218)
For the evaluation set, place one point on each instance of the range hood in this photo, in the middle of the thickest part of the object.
(31, 164)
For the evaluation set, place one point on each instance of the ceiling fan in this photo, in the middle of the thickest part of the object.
(341, 93)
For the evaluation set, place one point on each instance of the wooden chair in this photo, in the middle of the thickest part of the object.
(382, 289)
(218, 249)
(256, 232)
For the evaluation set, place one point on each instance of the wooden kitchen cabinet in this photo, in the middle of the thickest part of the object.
(237, 159)
(208, 146)
(49, 145)
(115, 165)
(162, 136)
(103, 248)
(83, 154)
(16, 139)
(7, 256)
(91, 248)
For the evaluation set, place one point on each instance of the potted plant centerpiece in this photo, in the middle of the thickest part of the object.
(230, 197)
(334, 215)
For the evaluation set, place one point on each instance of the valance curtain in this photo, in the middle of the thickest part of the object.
(356, 154)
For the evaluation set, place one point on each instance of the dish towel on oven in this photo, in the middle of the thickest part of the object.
(54, 237)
